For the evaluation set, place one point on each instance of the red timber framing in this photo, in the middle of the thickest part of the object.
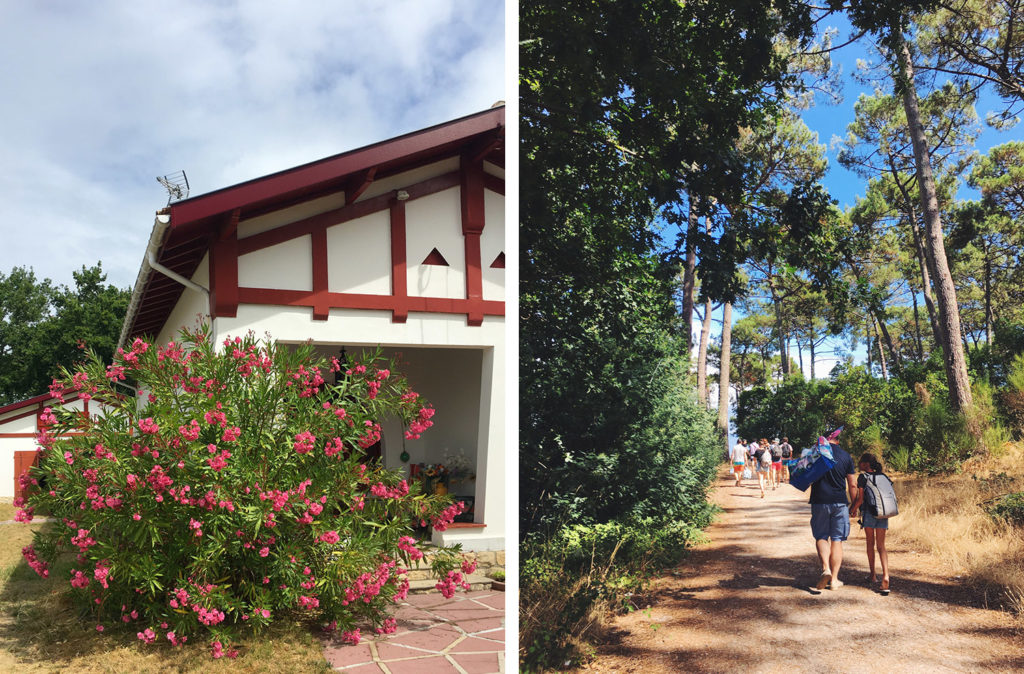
(209, 224)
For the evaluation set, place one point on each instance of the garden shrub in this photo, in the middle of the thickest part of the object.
(231, 492)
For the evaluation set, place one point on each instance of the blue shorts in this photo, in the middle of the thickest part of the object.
(871, 522)
(830, 521)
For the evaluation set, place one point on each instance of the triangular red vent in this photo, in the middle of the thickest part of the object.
(435, 257)
(499, 262)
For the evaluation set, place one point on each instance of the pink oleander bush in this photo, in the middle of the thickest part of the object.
(232, 491)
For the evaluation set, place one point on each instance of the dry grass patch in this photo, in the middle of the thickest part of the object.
(948, 517)
(7, 511)
(41, 632)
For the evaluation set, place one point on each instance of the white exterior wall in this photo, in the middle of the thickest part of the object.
(435, 221)
(492, 243)
(359, 255)
(193, 307)
(287, 266)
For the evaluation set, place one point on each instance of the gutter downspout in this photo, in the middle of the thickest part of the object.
(149, 263)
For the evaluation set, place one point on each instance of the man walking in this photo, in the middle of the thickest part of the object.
(787, 454)
(830, 515)
(739, 460)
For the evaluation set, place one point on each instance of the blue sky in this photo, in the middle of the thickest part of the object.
(99, 98)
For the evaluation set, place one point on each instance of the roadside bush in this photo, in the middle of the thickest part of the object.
(567, 582)
(1011, 400)
(1010, 508)
(234, 490)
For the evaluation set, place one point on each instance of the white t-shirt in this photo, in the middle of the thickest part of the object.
(739, 453)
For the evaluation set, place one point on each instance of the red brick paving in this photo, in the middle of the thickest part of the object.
(463, 635)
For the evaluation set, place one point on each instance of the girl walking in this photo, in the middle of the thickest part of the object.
(874, 528)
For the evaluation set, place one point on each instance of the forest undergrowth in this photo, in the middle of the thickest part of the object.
(973, 521)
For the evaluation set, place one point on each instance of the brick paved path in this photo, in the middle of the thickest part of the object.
(463, 635)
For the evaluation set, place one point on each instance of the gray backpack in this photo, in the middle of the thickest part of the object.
(879, 496)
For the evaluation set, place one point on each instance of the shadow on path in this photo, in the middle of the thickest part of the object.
(743, 601)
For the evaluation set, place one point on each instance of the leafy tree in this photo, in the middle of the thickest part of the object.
(889, 21)
(25, 303)
(978, 40)
(44, 327)
(608, 136)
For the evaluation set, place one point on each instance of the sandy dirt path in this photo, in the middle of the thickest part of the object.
(742, 602)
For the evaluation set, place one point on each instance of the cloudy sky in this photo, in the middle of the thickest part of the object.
(99, 98)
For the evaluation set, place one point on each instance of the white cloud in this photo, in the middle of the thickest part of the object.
(99, 98)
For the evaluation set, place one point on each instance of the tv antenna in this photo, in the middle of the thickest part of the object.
(176, 185)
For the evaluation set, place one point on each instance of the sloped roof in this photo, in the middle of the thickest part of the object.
(181, 244)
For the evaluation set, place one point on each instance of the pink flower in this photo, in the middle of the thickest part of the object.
(47, 418)
(304, 442)
(264, 551)
(329, 537)
(351, 637)
(101, 573)
(190, 432)
(147, 425)
(99, 628)
(148, 636)
(407, 543)
(41, 568)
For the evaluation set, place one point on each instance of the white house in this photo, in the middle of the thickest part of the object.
(19, 423)
(399, 244)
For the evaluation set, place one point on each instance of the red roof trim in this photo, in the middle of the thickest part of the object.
(35, 401)
(278, 185)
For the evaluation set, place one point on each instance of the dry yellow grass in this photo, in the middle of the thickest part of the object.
(947, 517)
(39, 632)
(7, 511)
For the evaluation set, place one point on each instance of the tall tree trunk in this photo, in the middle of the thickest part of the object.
(867, 336)
(917, 326)
(924, 264)
(702, 356)
(949, 314)
(783, 355)
(988, 294)
(881, 352)
(880, 325)
(689, 276)
(810, 343)
(723, 375)
(800, 355)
